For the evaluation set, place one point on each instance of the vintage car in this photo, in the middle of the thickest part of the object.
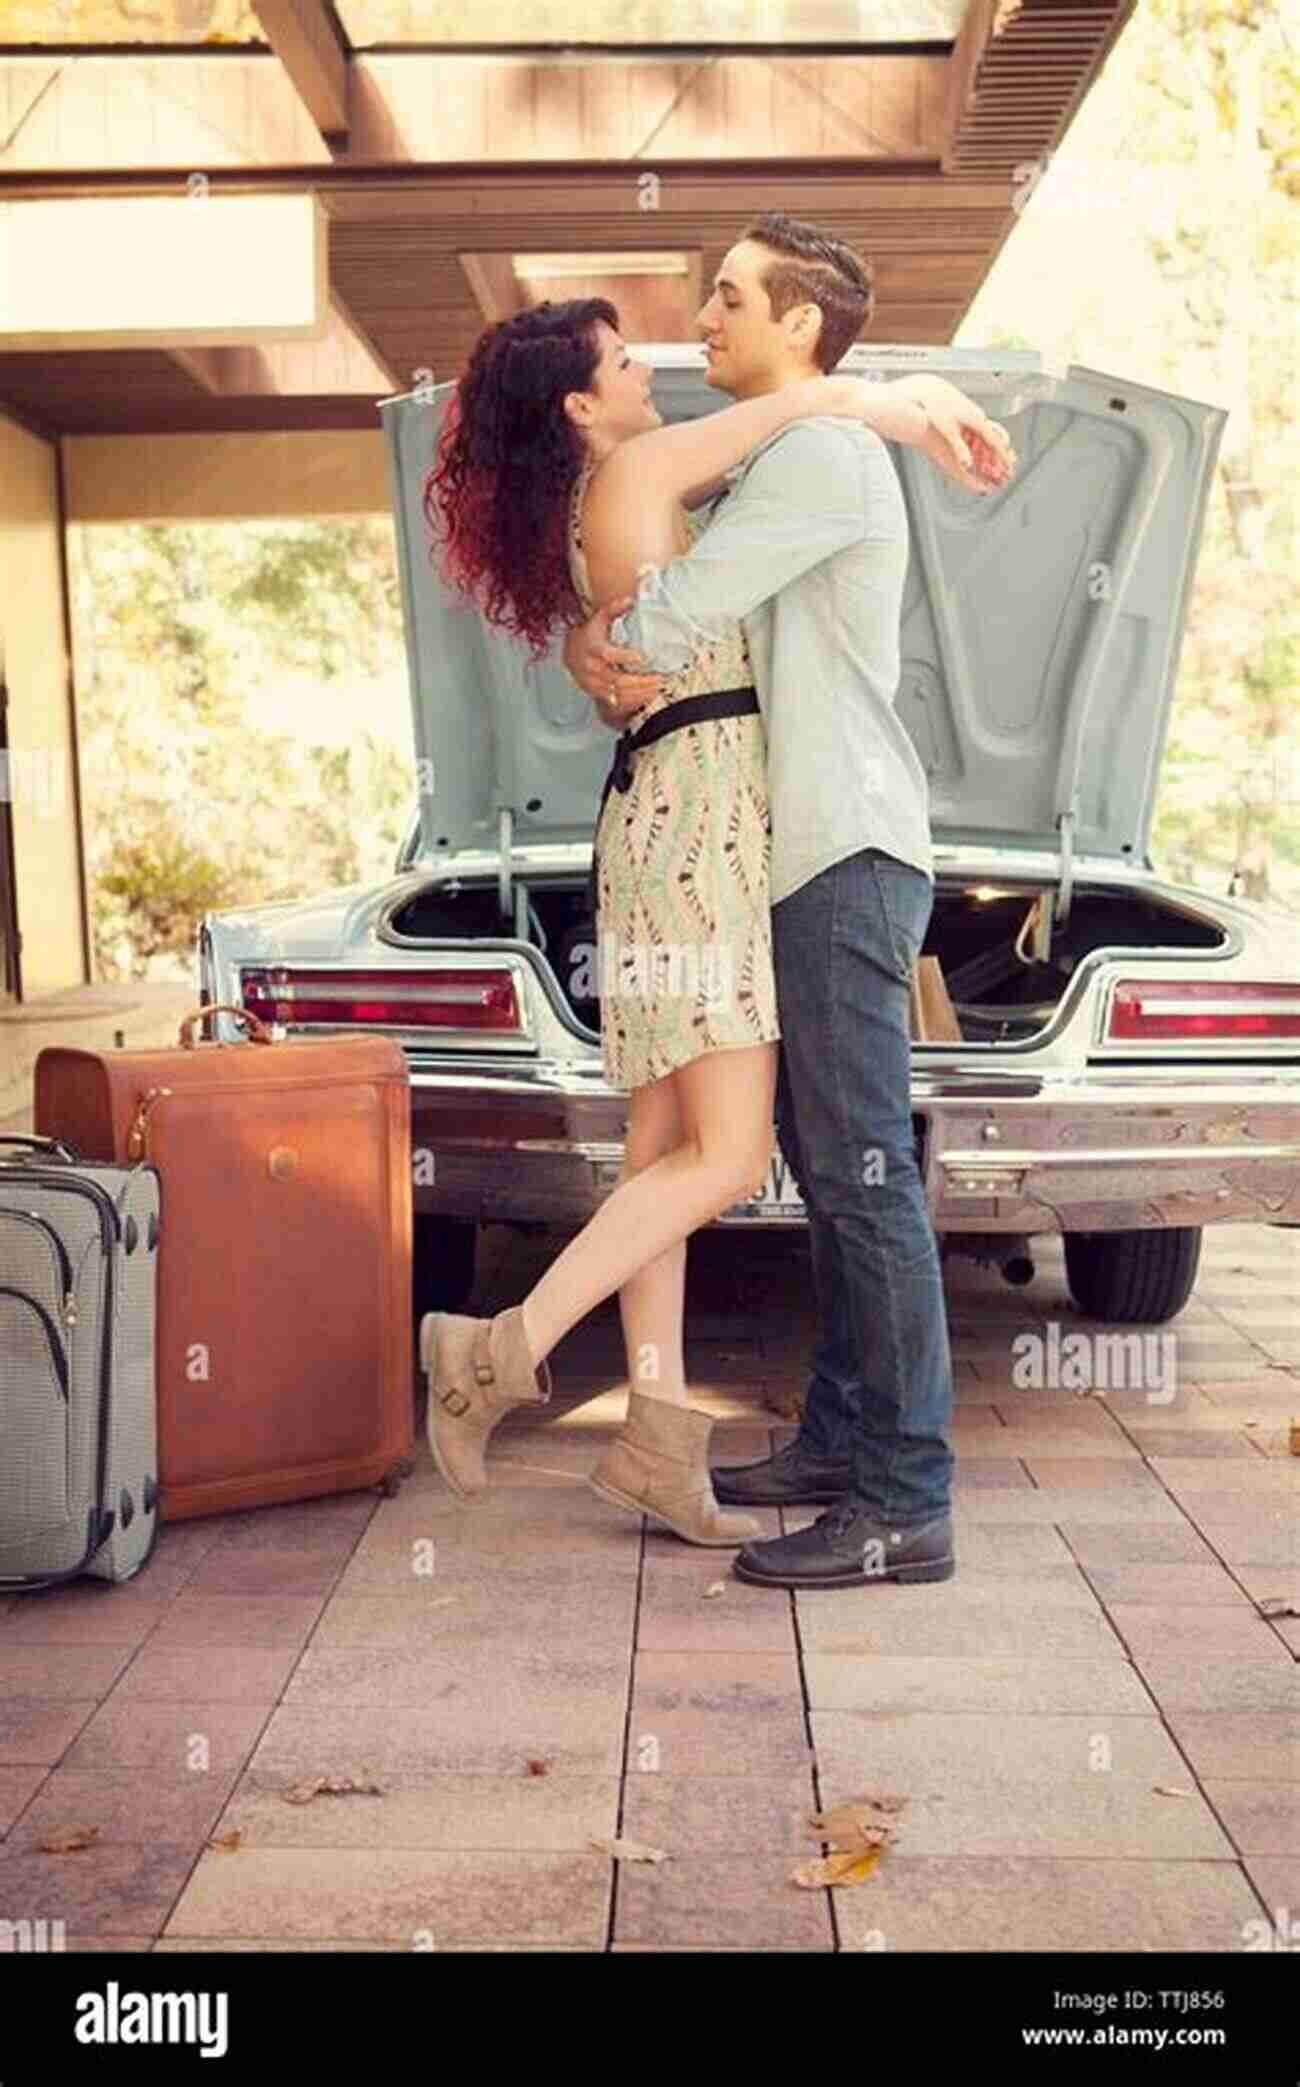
(1129, 1063)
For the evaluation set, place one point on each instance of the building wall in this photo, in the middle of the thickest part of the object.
(41, 776)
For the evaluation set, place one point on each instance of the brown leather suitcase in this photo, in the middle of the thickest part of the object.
(285, 1352)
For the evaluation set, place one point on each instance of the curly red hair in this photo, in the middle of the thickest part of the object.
(508, 455)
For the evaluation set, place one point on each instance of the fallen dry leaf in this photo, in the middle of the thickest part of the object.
(329, 1786)
(718, 1587)
(849, 1866)
(630, 1851)
(846, 1823)
(229, 1840)
(67, 1839)
(858, 1830)
(1293, 1439)
(539, 1768)
(1278, 1605)
(1168, 1790)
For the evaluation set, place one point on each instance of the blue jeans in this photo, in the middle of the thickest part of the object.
(880, 1395)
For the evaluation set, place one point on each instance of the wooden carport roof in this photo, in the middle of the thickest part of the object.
(434, 169)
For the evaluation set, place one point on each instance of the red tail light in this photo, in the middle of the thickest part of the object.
(1148, 1010)
(408, 999)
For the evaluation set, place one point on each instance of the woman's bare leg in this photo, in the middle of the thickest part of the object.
(651, 1302)
(726, 1098)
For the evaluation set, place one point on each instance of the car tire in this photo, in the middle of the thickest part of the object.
(1133, 1276)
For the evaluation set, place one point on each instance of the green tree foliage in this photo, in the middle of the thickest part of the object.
(202, 785)
(1162, 242)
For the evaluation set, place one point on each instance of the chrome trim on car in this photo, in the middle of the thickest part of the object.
(977, 1173)
(543, 978)
(1073, 1154)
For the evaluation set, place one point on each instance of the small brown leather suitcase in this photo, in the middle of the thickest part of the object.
(285, 1353)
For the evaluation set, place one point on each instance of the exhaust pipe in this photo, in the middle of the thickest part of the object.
(1008, 1252)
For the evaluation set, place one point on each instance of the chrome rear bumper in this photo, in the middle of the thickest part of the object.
(1103, 1151)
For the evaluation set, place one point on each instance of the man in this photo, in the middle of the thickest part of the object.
(852, 890)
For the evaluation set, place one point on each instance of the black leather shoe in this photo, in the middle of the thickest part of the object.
(849, 1547)
(794, 1477)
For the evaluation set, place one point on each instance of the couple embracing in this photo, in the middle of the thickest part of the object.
(732, 588)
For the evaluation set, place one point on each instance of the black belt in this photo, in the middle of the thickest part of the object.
(687, 710)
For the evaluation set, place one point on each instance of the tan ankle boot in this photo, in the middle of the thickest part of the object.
(477, 1370)
(659, 1466)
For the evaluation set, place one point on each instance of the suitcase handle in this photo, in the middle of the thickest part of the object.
(259, 1033)
(46, 1146)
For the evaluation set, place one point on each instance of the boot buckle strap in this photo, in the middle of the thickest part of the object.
(454, 1400)
(483, 1370)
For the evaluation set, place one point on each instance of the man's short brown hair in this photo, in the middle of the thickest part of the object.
(813, 267)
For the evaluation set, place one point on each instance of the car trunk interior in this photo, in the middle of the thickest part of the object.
(1004, 984)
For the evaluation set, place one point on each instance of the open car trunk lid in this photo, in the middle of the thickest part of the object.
(1041, 629)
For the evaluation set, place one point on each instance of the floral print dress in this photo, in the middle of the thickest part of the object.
(683, 923)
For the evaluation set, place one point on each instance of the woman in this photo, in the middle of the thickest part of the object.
(556, 483)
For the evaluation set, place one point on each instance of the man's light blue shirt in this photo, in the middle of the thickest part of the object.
(808, 549)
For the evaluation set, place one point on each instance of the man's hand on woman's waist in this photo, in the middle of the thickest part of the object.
(617, 678)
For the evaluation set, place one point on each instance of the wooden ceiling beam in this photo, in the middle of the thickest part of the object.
(963, 72)
(336, 363)
(303, 37)
(1026, 67)
(203, 365)
(497, 290)
(306, 103)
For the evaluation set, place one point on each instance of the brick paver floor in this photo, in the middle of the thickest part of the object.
(1093, 1725)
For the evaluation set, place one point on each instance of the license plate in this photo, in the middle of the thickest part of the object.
(778, 1200)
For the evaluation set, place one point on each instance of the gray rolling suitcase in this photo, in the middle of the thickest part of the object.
(78, 1395)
